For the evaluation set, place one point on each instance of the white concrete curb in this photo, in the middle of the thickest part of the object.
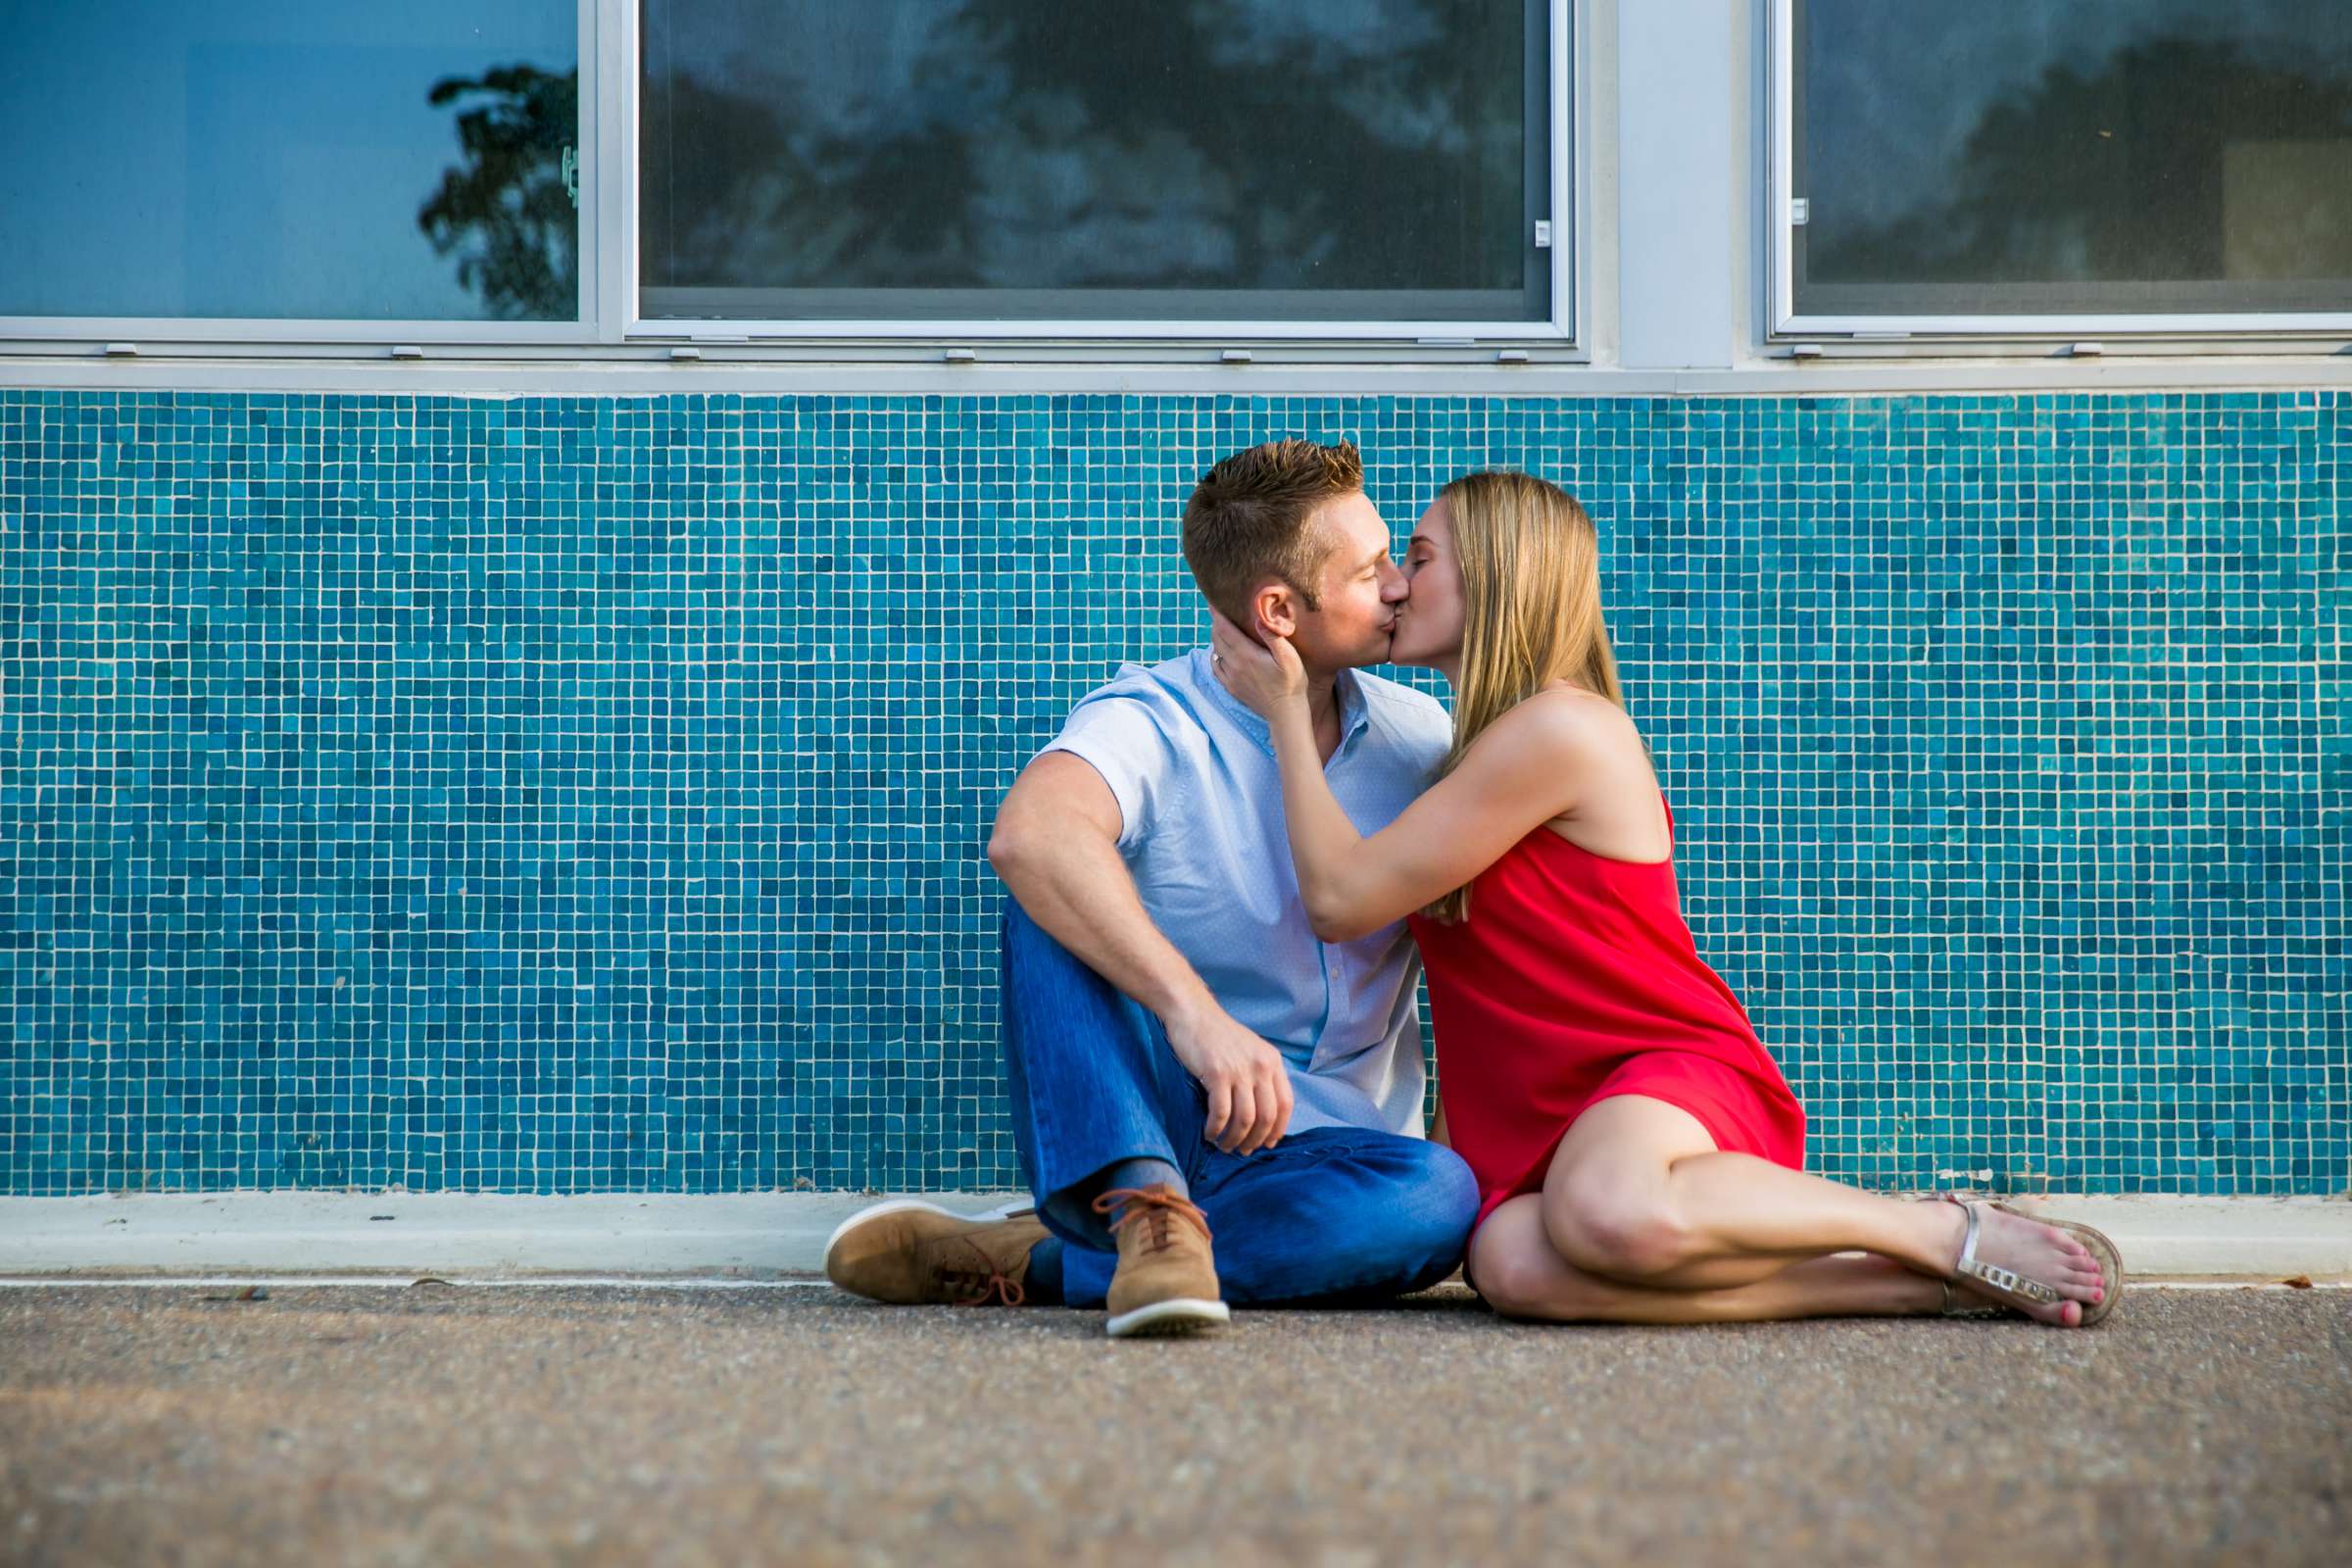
(752, 1235)
(768, 1235)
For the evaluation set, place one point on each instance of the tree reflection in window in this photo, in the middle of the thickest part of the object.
(2033, 154)
(505, 212)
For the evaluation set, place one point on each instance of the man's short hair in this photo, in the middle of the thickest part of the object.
(1247, 521)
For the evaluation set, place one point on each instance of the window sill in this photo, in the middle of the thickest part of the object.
(474, 370)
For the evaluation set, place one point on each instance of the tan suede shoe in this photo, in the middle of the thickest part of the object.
(915, 1253)
(1166, 1280)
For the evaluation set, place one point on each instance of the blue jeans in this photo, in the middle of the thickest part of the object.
(1329, 1216)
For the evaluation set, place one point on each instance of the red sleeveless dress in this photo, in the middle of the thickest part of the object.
(1575, 978)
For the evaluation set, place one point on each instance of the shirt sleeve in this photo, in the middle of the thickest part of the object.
(1122, 739)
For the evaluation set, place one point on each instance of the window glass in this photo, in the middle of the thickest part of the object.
(2018, 157)
(338, 159)
(1211, 160)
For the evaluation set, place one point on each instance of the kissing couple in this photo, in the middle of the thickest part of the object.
(1227, 875)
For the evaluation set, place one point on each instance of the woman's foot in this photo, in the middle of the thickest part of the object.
(2031, 1249)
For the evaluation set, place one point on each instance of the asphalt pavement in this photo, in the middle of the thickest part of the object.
(451, 1424)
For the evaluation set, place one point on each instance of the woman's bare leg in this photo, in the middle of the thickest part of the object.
(1637, 1192)
(1521, 1274)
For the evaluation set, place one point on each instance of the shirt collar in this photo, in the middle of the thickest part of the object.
(1355, 712)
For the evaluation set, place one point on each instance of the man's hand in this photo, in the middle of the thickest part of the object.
(1248, 1088)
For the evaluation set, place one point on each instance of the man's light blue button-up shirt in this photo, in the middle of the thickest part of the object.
(1201, 829)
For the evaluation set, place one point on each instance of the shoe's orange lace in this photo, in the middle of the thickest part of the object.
(981, 1286)
(1156, 1204)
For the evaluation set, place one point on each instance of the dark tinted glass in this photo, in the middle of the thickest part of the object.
(1094, 159)
(2030, 156)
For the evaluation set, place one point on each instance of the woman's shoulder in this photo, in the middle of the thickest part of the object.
(1569, 724)
(1604, 767)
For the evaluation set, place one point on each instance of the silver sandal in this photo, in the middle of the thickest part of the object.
(1956, 1304)
(2016, 1289)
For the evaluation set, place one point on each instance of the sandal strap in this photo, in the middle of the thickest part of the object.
(2000, 1279)
(1954, 1304)
(1957, 1306)
(1968, 1237)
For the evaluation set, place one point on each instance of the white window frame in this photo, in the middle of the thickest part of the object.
(609, 55)
(1779, 202)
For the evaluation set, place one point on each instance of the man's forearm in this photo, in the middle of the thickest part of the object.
(1081, 893)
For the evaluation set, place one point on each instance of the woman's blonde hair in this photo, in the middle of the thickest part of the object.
(1529, 564)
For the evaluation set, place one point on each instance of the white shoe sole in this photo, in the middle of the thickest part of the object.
(1183, 1314)
(896, 1206)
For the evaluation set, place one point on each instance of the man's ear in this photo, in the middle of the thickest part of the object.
(1275, 606)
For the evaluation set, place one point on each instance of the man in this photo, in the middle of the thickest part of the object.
(1186, 1058)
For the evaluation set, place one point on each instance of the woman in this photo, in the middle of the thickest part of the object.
(1636, 1149)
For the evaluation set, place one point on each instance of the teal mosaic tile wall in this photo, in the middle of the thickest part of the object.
(568, 793)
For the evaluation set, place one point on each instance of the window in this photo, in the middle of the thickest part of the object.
(1040, 161)
(2051, 165)
(292, 160)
